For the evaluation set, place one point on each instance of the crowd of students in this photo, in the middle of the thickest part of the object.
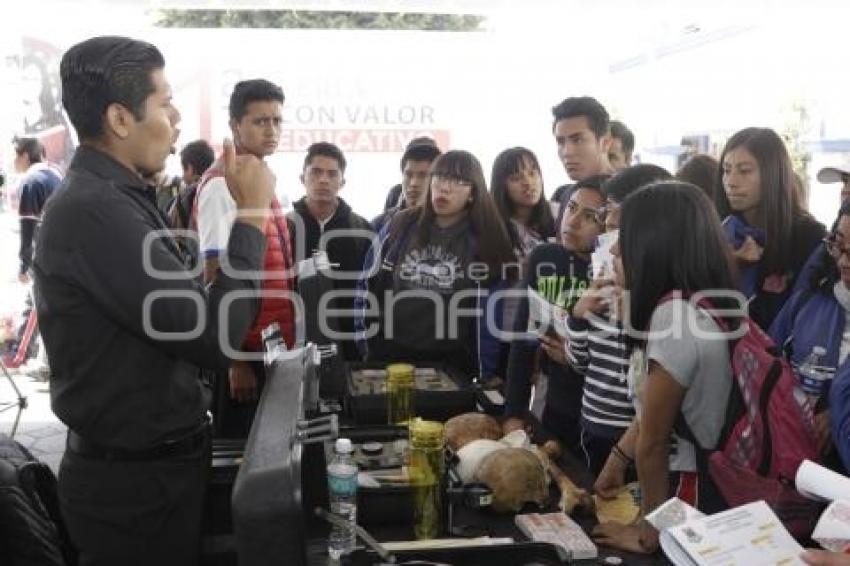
(431, 287)
(637, 384)
(454, 269)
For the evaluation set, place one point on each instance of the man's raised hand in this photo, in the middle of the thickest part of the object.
(251, 185)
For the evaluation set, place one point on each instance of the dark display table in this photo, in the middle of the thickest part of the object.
(485, 522)
(282, 478)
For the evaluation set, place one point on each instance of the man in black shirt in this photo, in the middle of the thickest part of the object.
(127, 329)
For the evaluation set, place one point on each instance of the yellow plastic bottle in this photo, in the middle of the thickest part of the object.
(426, 474)
(401, 386)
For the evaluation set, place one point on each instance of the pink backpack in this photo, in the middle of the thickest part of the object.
(768, 430)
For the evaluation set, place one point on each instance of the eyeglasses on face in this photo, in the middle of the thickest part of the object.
(587, 214)
(453, 183)
(603, 211)
(835, 247)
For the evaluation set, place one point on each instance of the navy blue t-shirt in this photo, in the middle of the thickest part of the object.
(559, 276)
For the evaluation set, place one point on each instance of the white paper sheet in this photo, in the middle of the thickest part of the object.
(833, 529)
(750, 535)
(819, 483)
(602, 260)
(673, 551)
(672, 513)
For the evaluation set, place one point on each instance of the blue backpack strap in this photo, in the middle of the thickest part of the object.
(788, 346)
(391, 250)
(379, 260)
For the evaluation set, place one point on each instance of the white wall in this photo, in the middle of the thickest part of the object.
(703, 67)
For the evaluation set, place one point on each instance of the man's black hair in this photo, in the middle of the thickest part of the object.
(199, 154)
(420, 152)
(630, 179)
(587, 106)
(325, 149)
(30, 147)
(594, 183)
(624, 134)
(254, 90)
(700, 170)
(102, 71)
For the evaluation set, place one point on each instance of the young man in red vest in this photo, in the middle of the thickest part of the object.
(255, 120)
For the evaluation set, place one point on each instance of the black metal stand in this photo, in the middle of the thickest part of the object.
(21, 403)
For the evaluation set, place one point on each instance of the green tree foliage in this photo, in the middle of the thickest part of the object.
(316, 20)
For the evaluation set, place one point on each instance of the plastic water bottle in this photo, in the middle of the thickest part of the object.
(342, 491)
(813, 377)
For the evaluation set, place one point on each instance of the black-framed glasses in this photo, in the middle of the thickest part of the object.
(452, 183)
(835, 248)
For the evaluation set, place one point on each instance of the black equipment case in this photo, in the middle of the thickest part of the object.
(366, 404)
(282, 477)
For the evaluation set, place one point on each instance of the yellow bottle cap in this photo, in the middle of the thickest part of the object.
(400, 371)
(426, 431)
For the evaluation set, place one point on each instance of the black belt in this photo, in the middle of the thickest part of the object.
(182, 446)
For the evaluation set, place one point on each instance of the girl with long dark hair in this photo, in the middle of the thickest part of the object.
(772, 235)
(454, 243)
(516, 185)
(671, 247)
(517, 188)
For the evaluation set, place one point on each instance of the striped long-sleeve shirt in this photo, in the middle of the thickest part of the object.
(597, 349)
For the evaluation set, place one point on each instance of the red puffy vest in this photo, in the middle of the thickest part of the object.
(278, 259)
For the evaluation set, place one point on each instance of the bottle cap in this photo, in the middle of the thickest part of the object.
(343, 446)
(372, 448)
(400, 372)
(424, 432)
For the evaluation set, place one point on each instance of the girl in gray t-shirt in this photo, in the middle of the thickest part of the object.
(671, 250)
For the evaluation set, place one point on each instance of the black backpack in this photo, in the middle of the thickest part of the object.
(32, 532)
(180, 217)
